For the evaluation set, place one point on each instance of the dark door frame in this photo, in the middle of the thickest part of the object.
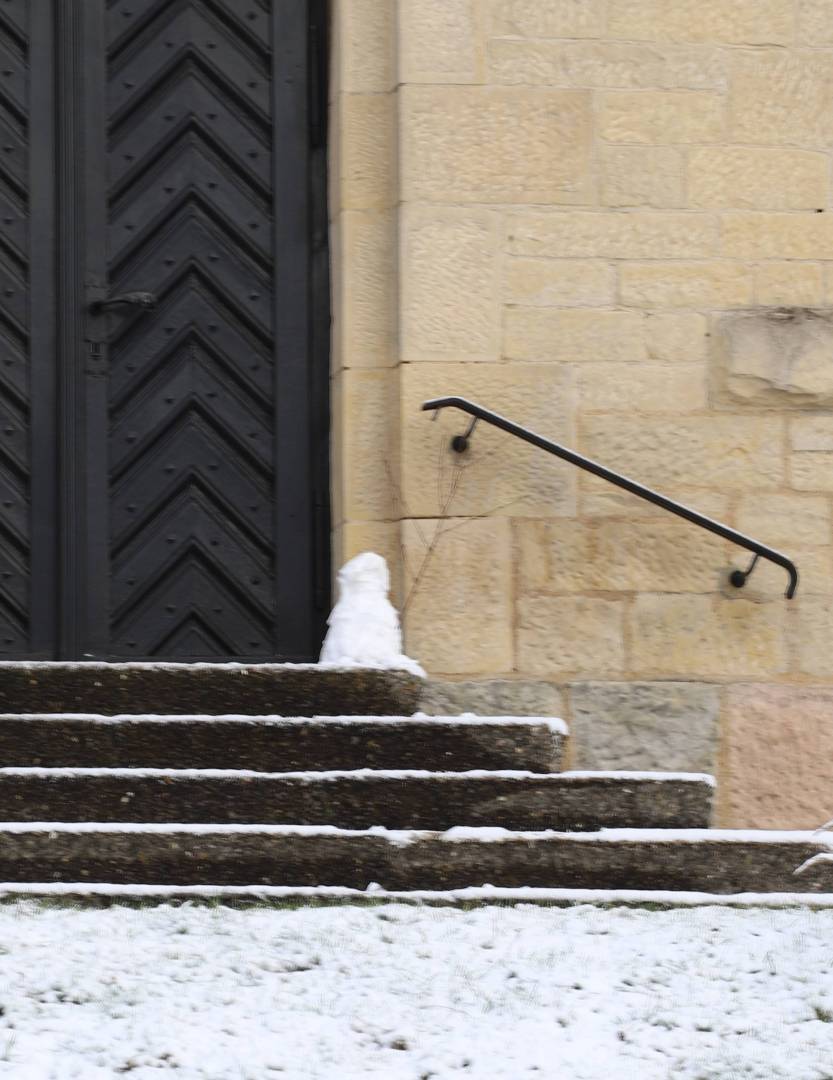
(69, 592)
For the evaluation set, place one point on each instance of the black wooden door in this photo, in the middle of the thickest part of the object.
(163, 469)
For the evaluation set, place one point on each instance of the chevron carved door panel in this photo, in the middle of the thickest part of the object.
(191, 326)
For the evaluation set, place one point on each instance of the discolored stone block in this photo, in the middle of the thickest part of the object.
(777, 747)
(639, 725)
(492, 697)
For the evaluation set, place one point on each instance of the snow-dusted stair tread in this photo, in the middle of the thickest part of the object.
(400, 799)
(274, 744)
(692, 860)
(263, 689)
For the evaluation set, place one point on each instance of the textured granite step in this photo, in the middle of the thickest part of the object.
(691, 860)
(360, 799)
(253, 689)
(271, 744)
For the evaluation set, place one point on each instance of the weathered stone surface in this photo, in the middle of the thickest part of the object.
(570, 635)
(437, 41)
(639, 725)
(543, 282)
(212, 689)
(742, 22)
(738, 177)
(363, 403)
(785, 519)
(546, 18)
(759, 235)
(662, 116)
(466, 583)
(617, 556)
(638, 234)
(721, 452)
(777, 749)
(676, 337)
(497, 476)
(782, 357)
(450, 284)
(789, 284)
(269, 744)
(784, 93)
(462, 144)
(491, 697)
(577, 336)
(814, 25)
(440, 800)
(605, 64)
(680, 285)
(722, 863)
(641, 176)
(636, 388)
(366, 125)
(812, 632)
(364, 50)
(364, 292)
(699, 635)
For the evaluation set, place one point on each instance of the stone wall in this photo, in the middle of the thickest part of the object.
(611, 221)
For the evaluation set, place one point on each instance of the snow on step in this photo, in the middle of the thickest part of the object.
(703, 861)
(400, 798)
(269, 743)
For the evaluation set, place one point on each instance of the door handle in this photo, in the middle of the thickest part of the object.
(145, 300)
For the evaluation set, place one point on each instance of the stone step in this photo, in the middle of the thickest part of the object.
(697, 860)
(189, 689)
(401, 799)
(272, 744)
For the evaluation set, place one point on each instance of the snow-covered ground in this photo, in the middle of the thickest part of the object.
(415, 993)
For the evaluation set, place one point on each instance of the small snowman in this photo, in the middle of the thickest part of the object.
(364, 626)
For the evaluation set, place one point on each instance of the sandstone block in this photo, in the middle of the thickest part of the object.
(662, 116)
(787, 94)
(724, 452)
(780, 357)
(811, 432)
(814, 26)
(497, 474)
(777, 236)
(812, 471)
(364, 292)
(742, 22)
(465, 584)
(437, 41)
(605, 65)
(498, 144)
(696, 284)
(570, 635)
(781, 520)
(574, 335)
(642, 388)
(363, 404)
(789, 284)
(617, 556)
(738, 177)
(703, 636)
(545, 282)
(641, 725)
(450, 284)
(492, 697)
(676, 337)
(598, 499)
(366, 148)
(627, 235)
(777, 747)
(546, 18)
(812, 631)
(641, 176)
(364, 49)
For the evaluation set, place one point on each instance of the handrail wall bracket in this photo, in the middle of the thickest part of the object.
(737, 578)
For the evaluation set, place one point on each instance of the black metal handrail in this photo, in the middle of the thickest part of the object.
(738, 577)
